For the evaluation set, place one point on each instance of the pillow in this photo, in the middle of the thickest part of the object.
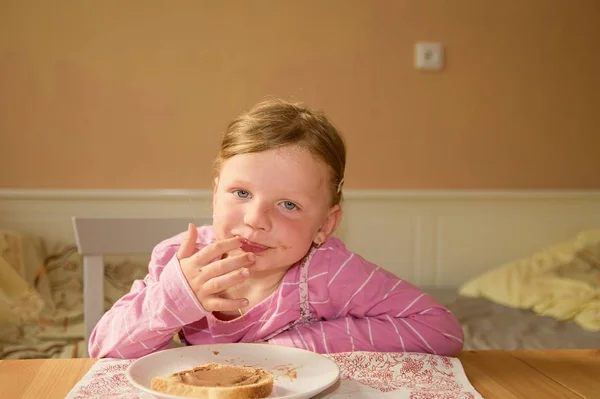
(19, 301)
(561, 281)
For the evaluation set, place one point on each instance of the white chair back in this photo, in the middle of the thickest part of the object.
(97, 237)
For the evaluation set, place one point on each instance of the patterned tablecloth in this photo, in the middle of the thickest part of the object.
(363, 375)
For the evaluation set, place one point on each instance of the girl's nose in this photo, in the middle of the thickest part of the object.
(257, 216)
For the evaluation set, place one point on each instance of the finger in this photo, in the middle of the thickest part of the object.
(223, 282)
(216, 250)
(216, 304)
(188, 246)
(225, 266)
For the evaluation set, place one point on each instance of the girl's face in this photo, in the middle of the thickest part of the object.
(277, 201)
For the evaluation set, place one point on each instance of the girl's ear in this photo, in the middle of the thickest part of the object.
(330, 225)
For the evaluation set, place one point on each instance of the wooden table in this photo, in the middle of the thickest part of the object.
(495, 374)
(534, 374)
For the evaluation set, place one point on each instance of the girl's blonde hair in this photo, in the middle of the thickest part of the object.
(276, 123)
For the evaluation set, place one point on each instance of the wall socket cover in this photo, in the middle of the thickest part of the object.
(429, 56)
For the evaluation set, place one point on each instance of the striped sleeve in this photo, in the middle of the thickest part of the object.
(370, 309)
(151, 313)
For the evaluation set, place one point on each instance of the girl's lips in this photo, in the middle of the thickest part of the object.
(249, 246)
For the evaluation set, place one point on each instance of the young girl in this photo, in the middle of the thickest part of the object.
(268, 269)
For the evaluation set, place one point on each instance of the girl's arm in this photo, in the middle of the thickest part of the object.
(368, 309)
(146, 319)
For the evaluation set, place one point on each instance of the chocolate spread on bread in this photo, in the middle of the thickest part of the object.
(209, 376)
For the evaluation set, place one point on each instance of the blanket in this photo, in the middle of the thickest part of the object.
(41, 295)
(561, 281)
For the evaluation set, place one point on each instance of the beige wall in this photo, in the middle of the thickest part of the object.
(117, 95)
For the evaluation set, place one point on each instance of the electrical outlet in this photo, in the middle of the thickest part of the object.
(429, 56)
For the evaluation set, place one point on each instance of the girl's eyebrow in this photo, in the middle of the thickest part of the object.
(238, 183)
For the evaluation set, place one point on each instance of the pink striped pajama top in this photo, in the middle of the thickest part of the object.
(331, 301)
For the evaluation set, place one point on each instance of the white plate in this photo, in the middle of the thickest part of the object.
(313, 372)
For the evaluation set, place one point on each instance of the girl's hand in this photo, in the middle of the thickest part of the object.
(208, 274)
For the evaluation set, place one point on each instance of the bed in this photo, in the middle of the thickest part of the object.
(43, 313)
(489, 325)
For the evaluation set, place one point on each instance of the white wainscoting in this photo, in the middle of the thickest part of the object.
(431, 238)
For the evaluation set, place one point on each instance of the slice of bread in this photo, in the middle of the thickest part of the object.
(216, 381)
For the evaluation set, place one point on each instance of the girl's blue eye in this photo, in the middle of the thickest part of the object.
(290, 206)
(241, 193)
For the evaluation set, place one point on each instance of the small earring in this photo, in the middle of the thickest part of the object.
(317, 244)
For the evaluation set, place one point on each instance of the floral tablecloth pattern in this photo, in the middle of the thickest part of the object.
(363, 375)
